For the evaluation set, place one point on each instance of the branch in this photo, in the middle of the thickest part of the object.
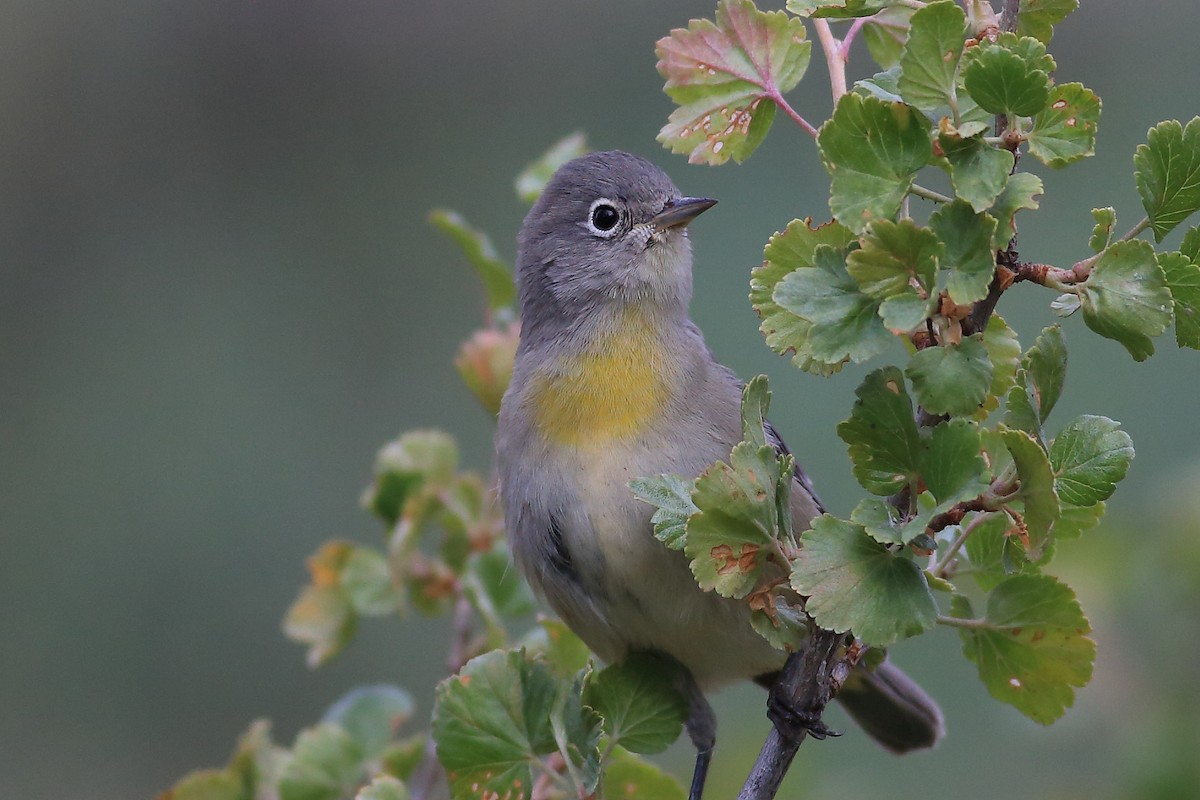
(834, 58)
(808, 682)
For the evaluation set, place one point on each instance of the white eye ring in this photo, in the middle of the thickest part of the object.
(601, 213)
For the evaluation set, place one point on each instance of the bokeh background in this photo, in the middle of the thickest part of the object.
(219, 296)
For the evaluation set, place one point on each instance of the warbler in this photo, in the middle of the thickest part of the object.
(613, 381)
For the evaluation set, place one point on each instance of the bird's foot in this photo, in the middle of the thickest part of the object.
(795, 721)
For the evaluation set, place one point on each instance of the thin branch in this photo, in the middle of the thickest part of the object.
(833, 58)
(774, 95)
(957, 622)
(939, 568)
(929, 194)
(1136, 229)
(844, 50)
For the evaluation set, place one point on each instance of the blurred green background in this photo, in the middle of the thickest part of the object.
(219, 296)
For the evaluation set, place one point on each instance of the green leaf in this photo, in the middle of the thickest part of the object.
(844, 323)
(1106, 219)
(1190, 246)
(897, 262)
(930, 59)
(853, 582)
(367, 582)
(1004, 351)
(885, 34)
(994, 554)
(207, 784)
(886, 524)
(1037, 489)
(1126, 297)
(978, 171)
(384, 787)
(721, 75)
(371, 715)
(756, 401)
(952, 464)
(1089, 457)
(577, 731)
(967, 239)
(671, 495)
(1018, 193)
(642, 710)
(872, 150)
(836, 9)
(497, 276)
(491, 720)
(952, 379)
(736, 528)
(1076, 520)
(533, 178)
(1038, 17)
(786, 252)
(1168, 174)
(1031, 649)
(785, 626)
(321, 616)
(631, 778)
(552, 641)
(885, 446)
(1183, 279)
(1039, 384)
(1001, 81)
(326, 763)
(404, 465)
(1065, 131)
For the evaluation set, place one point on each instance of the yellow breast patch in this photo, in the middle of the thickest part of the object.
(610, 390)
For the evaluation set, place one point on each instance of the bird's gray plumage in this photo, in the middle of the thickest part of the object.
(579, 535)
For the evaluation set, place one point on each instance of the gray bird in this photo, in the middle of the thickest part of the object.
(612, 382)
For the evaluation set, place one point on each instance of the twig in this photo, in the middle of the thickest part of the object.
(833, 58)
(808, 682)
(929, 194)
(776, 97)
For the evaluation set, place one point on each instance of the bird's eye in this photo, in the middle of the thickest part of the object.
(603, 217)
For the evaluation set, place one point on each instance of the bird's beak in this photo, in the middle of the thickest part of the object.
(680, 212)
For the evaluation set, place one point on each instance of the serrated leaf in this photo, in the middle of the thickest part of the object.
(496, 275)
(367, 582)
(785, 627)
(371, 715)
(491, 720)
(1168, 174)
(1190, 246)
(1183, 279)
(756, 401)
(721, 74)
(836, 9)
(533, 178)
(563, 651)
(1126, 297)
(1032, 649)
(671, 495)
(1065, 305)
(898, 261)
(994, 553)
(853, 582)
(577, 731)
(967, 240)
(631, 778)
(952, 464)
(1076, 520)
(1089, 457)
(786, 252)
(884, 444)
(321, 616)
(951, 379)
(844, 323)
(1065, 131)
(404, 465)
(1002, 82)
(1037, 488)
(871, 150)
(883, 86)
(1106, 219)
(978, 171)
(495, 590)
(729, 539)
(325, 764)
(1038, 17)
(1018, 193)
(929, 62)
(207, 784)
(383, 787)
(1004, 351)
(642, 710)
(885, 34)
(1039, 383)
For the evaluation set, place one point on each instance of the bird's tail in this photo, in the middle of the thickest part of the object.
(892, 708)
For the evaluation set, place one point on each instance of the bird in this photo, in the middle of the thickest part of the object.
(613, 381)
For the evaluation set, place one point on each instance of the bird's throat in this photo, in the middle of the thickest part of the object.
(617, 384)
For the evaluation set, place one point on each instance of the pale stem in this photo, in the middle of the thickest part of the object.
(940, 567)
(776, 97)
(956, 622)
(844, 50)
(833, 58)
(929, 194)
